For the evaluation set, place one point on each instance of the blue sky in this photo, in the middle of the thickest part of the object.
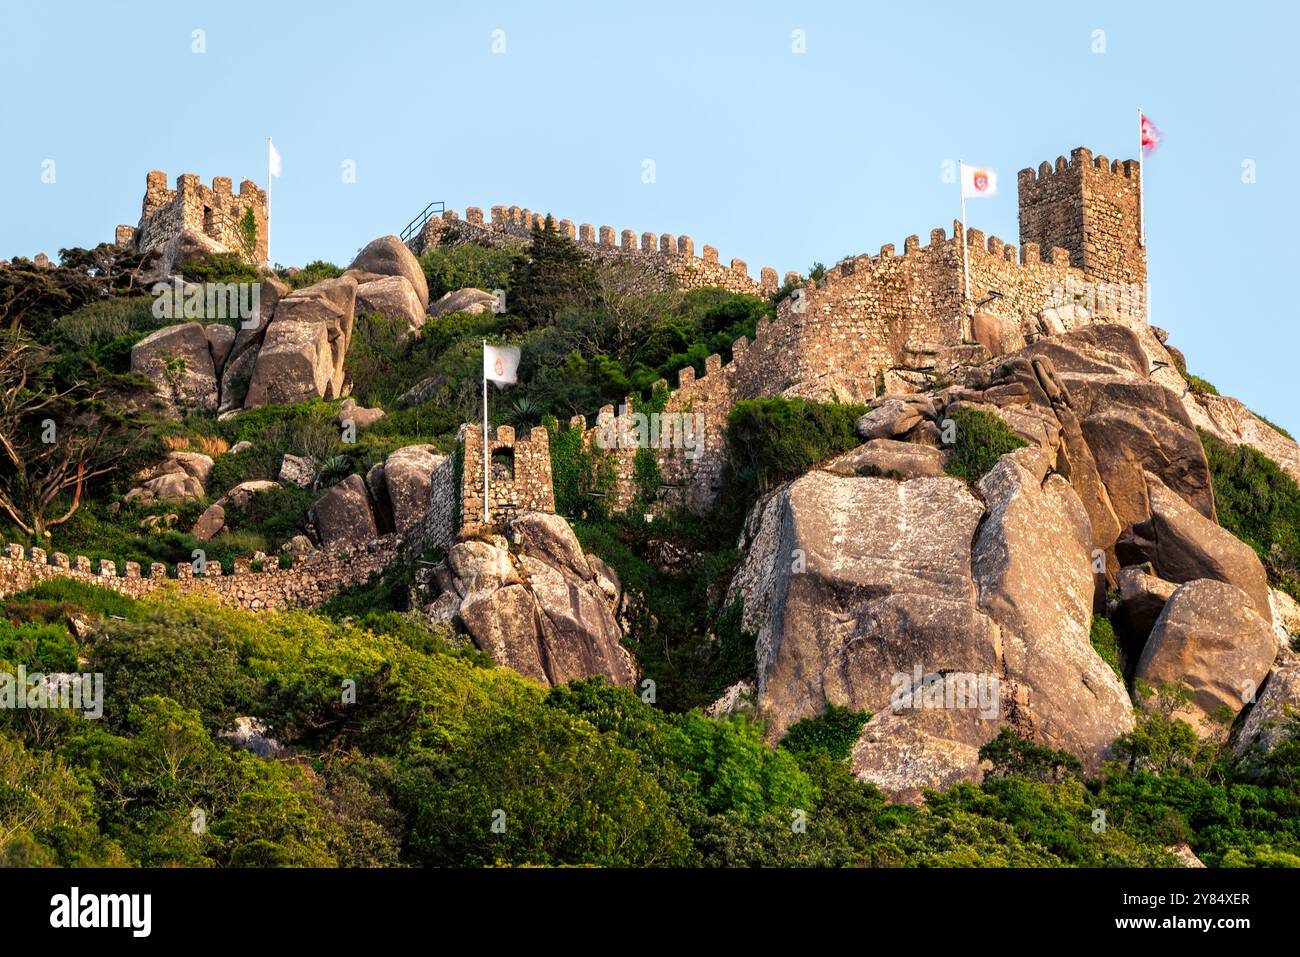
(774, 157)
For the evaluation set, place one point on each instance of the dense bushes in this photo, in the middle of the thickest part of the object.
(833, 732)
(1260, 504)
(981, 439)
(774, 440)
(448, 268)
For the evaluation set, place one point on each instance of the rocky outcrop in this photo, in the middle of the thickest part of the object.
(238, 370)
(343, 515)
(891, 459)
(360, 417)
(1211, 641)
(178, 360)
(1182, 546)
(1267, 723)
(394, 298)
(303, 348)
(388, 256)
(179, 477)
(298, 470)
(470, 300)
(536, 607)
(1033, 571)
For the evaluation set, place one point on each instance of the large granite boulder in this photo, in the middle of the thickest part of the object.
(852, 582)
(178, 360)
(1182, 545)
(1033, 570)
(304, 347)
(388, 256)
(534, 610)
(404, 484)
(237, 373)
(394, 298)
(1209, 639)
(179, 477)
(890, 418)
(470, 300)
(343, 516)
(891, 459)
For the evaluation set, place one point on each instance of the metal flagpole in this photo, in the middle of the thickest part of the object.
(270, 175)
(485, 436)
(965, 256)
(1142, 203)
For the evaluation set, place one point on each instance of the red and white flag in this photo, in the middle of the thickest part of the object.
(500, 365)
(1151, 136)
(978, 181)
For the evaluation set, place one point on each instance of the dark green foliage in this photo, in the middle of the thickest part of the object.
(1200, 386)
(552, 276)
(448, 268)
(315, 271)
(219, 267)
(1104, 642)
(833, 732)
(775, 440)
(981, 439)
(1014, 756)
(1260, 504)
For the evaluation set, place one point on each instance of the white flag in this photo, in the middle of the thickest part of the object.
(978, 181)
(501, 364)
(275, 159)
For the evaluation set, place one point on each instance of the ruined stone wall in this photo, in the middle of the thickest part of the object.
(662, 262)
(309, 582)
(216, 213)
(528, 490)
(436, 528)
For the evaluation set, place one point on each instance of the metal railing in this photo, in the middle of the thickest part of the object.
(415, 225)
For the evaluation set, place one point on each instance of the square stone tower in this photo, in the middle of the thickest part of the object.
(1090, 207)
(218, 213)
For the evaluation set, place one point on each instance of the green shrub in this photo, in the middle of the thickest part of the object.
(775, 440)
(1259, 503)
(835, 732)
(981, 439)
(219, 267)
(315, 271)
(448, 268)
(1102, 636)
(1200, 386)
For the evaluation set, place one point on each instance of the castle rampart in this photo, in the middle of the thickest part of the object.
(217, 213)
(521, 474)
(663, 261)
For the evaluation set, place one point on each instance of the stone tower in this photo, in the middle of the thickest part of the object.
(1091, 208)
(217, 213)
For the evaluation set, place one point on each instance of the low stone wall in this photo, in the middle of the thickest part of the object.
(309, 582)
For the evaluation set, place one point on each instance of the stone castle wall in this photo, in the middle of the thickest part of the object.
(872, 313)
(529, 489)
(662, 262)
(215, 212)
(309, 582)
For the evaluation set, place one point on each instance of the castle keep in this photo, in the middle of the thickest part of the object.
(217, 213)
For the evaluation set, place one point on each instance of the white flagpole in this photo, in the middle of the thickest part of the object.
(965, 255)
(270, 175)
(1142, 175)
(485, 436)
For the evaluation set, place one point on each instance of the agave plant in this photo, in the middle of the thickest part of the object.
(333, 470)
(525, 413)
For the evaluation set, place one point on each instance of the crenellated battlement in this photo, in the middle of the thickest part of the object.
(248, 584)
(675, 257)
(216, 212)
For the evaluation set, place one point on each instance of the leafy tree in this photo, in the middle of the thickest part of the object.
(553, 275)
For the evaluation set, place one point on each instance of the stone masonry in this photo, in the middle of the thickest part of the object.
(662, 261)
(521, 475)
(217, 213)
